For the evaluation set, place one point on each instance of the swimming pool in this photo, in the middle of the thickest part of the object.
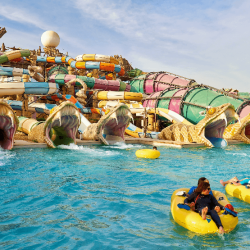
(103, 197)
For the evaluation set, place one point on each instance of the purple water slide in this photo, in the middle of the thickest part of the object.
(245, 111)
(161, 81)
(155, 82)
(151, 103)
(175, 103)
(68, 78)
(112, 85)
(149, 83)
(52, 78)
(127, 89)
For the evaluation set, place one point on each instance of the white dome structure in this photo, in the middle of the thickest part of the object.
(50, 39)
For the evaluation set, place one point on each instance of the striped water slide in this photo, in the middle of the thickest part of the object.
(99, 58)
(46, 108)
(191, 102)
(136, 132)
(43, 108)
(88, 65)
(119, 95)
(137, 108)
(91, 82)
(158, 81)
(27, 124)
(9, 71)
(30, 88)
(14, 54)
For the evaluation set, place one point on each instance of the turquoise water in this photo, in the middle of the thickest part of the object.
(103, 197)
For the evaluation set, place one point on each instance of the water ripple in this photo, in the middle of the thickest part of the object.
(103, 197)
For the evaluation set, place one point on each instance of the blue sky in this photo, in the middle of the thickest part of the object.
(204, 40)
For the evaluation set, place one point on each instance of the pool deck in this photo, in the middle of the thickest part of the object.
(128, 140)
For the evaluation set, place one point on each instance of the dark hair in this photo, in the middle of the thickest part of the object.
(202, 187)
(202, 179)
(154, 147)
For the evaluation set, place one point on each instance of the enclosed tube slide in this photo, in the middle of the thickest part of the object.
(33, 107)
(138, 108)
(59, 128)
(155, 82)
(91, 82)
(31, 88)
(111, 67)
(12, 74)
(14, 54)
(83, 110)
(191, 102)
(119, 95)
(96, 58)
(8, 71)
(26, 124)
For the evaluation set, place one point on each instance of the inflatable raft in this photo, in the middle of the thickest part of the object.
(240, 192)
(147, 153)
(193, 221)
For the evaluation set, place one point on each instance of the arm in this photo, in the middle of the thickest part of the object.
(236, 183)
(190, 199)
(191, 190)
(216, 203)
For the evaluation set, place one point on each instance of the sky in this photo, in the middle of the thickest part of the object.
(205, 40)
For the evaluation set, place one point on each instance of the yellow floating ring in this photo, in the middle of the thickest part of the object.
(240, 192)
(147, 153)
(193, 221)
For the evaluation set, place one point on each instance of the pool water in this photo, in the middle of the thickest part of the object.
(103, 197)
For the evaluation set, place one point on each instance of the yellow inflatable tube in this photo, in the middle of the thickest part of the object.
(147, 153)
(193, 221)
(240, 192)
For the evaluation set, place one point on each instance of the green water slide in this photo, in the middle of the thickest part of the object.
(204, 97)
(189, 102)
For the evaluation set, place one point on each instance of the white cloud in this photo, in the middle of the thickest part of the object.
(23, 16)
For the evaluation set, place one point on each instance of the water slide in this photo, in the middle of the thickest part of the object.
(109, 129)
(137, 108)
(91, 82)
(9, 71)
(173, 117)
(99, 58)
(8, 125)
(88, 65)
(13, 84)
(59, 128)
(14, 54)
(48, 108)
(155, 82)
(191, 102)
(96, 58)
(30, 88)
(119, 95)
(26, 124)
(184, 96)
(113, 85)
